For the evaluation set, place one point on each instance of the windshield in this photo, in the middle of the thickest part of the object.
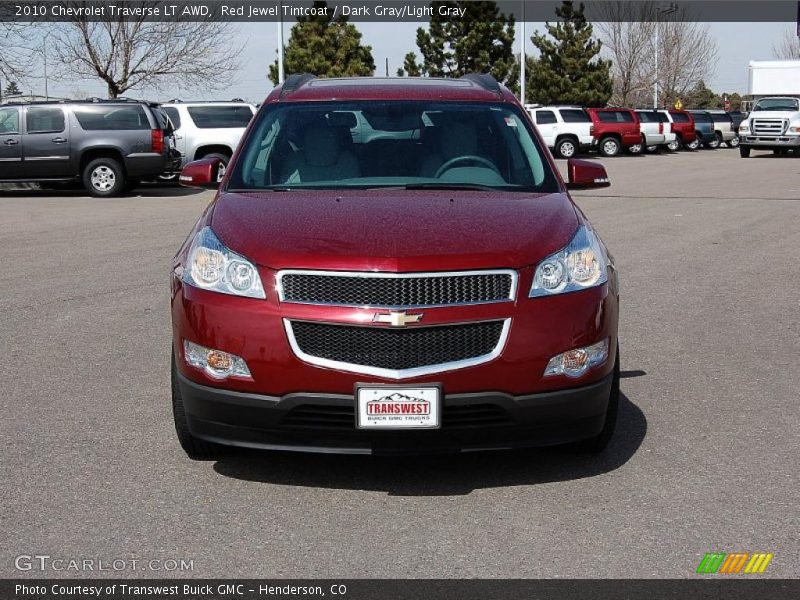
(778, 104)
(398, 143)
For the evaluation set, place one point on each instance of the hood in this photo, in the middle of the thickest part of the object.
(773, 114)
(394, 230)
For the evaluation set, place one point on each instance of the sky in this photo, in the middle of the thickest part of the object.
(738, 43)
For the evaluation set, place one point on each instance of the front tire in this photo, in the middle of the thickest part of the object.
(566, 148)
(733, 142)
(609, 146)
(744, 151)
(195, 448)
(104, 178)
(715, 143)
(674, 145)
(694, 144)
(636, 148)
(598, 443)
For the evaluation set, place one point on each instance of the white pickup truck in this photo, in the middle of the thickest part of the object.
(773, 124)
(566, 129)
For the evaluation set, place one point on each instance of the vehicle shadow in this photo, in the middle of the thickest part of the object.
(145, 190)
(443, 475)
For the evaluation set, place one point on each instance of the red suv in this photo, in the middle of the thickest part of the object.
(393, 265)
(684, 128)
(616, 129)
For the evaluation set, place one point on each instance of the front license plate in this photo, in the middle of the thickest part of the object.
(398, 407)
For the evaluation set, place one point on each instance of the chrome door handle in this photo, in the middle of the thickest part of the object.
(11, 142)
(58, 140)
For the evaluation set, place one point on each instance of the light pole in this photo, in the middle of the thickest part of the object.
(44, 56)
(522, 60)
(660, 10)
(280, 43)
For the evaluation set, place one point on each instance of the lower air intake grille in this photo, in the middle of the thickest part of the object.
(397, 349)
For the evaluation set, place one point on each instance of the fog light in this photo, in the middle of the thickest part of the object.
(576, 362)
(215, 363)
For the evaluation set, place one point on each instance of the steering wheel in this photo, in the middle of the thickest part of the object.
(466, 158)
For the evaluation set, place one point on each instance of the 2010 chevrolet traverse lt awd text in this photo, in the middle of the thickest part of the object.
(390, 266)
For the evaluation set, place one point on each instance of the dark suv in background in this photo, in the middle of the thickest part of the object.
(705, 128)
(108, 145)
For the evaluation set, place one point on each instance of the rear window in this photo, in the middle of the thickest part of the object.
(615, 116)
(649, 117)
(44, 120)
(545, 117)
(721, 117)
(680, 118)
(574, 115)
(220, 117)
(128, 118)
(173, 115)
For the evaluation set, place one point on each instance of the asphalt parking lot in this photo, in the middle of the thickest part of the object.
(705, 458)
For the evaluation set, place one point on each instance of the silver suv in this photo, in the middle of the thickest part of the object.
(207, 129)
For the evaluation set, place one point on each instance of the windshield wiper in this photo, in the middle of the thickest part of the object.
(449, 186)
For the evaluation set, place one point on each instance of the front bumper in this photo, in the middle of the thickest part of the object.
(314, 422)
(784, 141)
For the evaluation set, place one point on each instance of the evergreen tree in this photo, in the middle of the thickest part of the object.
(481, 42)
(324, 46)
(701, 96)
(12, 89)
(569, 69)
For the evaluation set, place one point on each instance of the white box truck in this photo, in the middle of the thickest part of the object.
(774, 78)
(774, 119)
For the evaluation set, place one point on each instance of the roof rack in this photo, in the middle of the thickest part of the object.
(294, 81)
(180, 101)
(484, 80)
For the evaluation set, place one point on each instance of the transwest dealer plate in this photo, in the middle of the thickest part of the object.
(398, 407)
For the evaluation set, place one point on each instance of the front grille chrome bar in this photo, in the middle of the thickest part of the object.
(399, 373)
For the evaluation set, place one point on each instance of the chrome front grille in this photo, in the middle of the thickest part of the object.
(394, 352)
(396, 290)
(769, 126)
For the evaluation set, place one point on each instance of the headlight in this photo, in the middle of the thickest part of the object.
(744, 128)
(212, 266)
(581, 264)
(794, 129)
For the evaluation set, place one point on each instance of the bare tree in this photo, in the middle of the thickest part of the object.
(787, 47)
(138, 53)
(687, 56)
(626, 34)
(687, 52)
(15, 53)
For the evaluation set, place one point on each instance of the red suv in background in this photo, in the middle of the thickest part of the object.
(616, 129)
(393, 265)
(684, 128)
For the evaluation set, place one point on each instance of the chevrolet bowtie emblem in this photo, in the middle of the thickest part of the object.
(396, 318)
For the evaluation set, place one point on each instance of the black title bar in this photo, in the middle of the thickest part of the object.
(389, 10)
(705, 588)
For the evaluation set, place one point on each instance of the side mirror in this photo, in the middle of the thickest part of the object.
(201, 174)
(586, 175)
